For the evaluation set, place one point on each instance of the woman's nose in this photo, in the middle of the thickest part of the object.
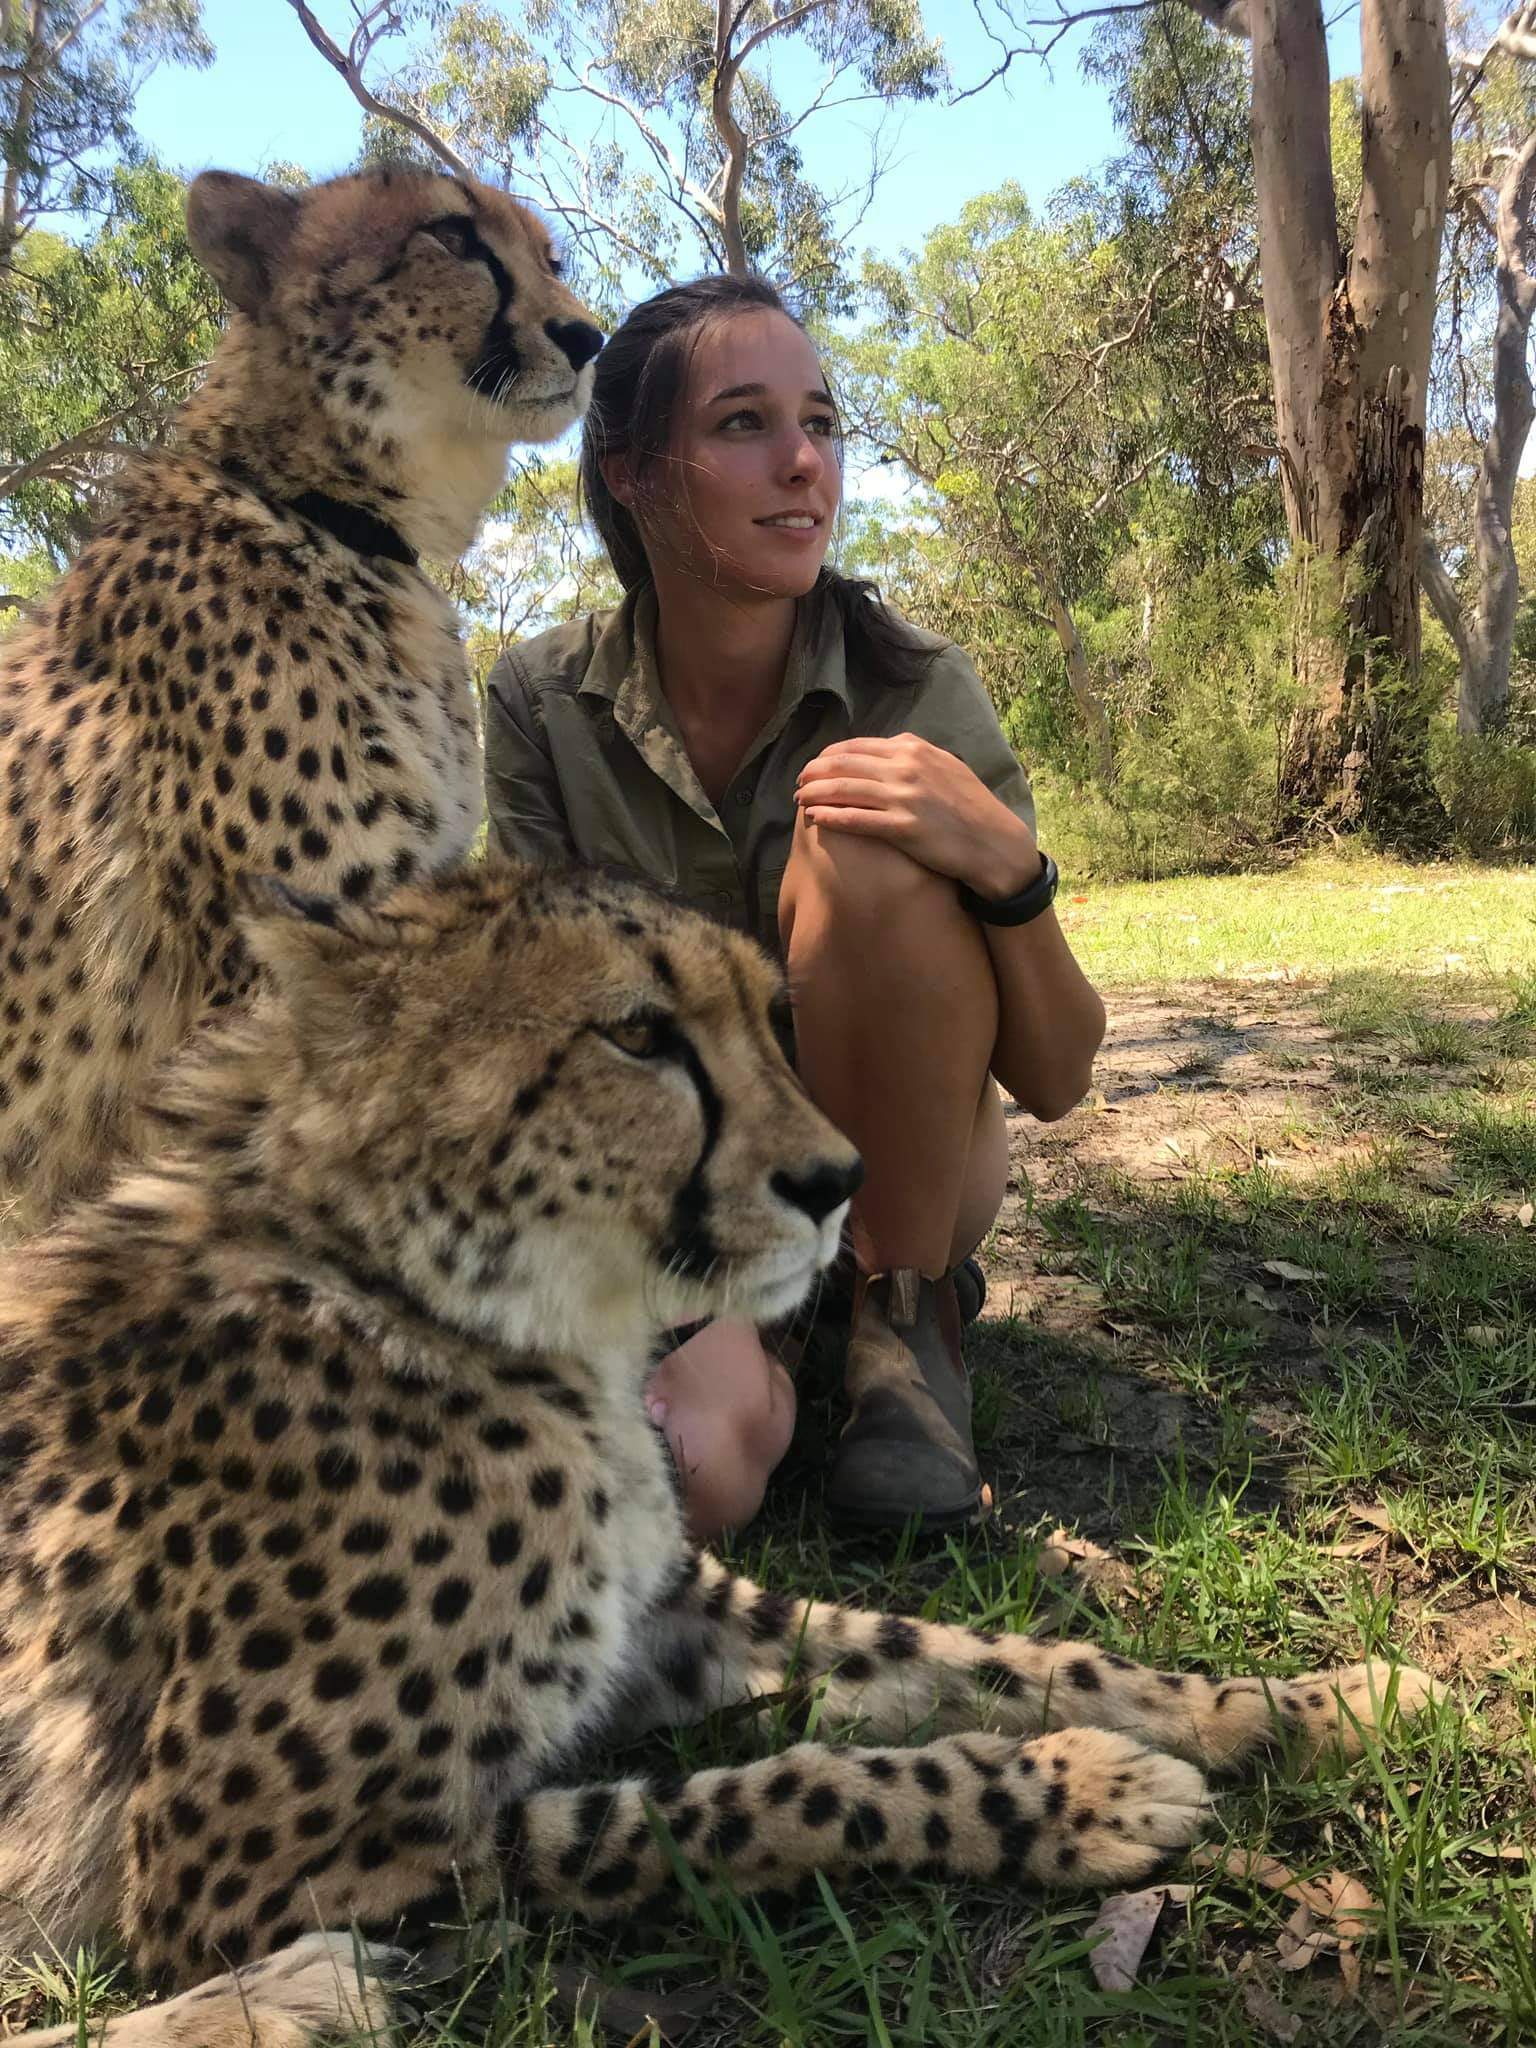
(803, 459)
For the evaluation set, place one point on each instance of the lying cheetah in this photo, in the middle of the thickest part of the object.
(246, 668)
(336, 1527)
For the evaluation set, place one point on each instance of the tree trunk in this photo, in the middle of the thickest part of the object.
(1085, 695)
(1350, 358)
(1483, 699)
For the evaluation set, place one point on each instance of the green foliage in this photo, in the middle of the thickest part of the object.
(534, 564)
(70, 72)
(97, 339)
(1487, 783)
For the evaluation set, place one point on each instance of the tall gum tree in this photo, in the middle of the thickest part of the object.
(1349, 347)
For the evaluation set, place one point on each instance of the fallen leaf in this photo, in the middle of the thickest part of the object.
(1262, 2007)
(627, 2012)
(1484, 1334)
(1124, 1927)
(1303, 1939)
(1357, 1546)
(1259, 1296)
(1373, 1518)
(1268, 1872)
(1501, 1852)
(1525, 1215)
(1060, 1552)
(1284, 1270)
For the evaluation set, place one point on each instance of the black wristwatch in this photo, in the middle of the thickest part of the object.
(1034, 897)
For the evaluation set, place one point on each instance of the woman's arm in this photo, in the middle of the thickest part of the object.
(522, 791)
(1050, 1020)
(927, 801)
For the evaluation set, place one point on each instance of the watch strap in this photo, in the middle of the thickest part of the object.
(1033, 899)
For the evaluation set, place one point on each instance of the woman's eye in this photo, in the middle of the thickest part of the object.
(456, 236)
(746, 416)
(823, 423)
(638, 1036)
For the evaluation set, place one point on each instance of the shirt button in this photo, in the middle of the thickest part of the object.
(745, 796)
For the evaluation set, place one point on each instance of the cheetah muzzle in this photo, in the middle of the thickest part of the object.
(247, 670)
(335, 1525)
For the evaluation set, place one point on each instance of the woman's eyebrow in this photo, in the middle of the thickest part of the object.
(760, 390)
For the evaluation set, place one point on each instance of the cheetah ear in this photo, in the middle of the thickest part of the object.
(240, 230)
(287, 927)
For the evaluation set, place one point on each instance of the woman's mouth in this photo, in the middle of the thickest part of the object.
(791, 522)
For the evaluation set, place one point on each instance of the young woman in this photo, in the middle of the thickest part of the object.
(765, 739)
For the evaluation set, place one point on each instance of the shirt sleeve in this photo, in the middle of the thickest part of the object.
(522, 788)
(951, 709)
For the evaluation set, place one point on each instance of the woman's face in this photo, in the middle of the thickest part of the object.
(749, 490)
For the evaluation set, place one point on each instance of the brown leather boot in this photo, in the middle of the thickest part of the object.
(907, 1447)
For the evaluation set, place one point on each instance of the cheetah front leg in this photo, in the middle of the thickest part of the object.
(1082, 1806)
(320, 1988)
(721, 1640)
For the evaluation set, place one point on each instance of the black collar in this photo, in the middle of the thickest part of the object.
(361, 531)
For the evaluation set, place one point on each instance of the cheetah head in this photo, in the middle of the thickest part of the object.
(421, 317)
(554, 1105)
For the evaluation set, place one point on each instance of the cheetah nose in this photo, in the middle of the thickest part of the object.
(819, 1191)
(579, 340)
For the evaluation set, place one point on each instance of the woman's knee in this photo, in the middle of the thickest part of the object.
(849, 878)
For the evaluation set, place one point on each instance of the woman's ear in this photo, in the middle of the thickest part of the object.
(620, 479)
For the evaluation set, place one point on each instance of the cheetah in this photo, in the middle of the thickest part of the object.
(247, 668)
(336, 1532)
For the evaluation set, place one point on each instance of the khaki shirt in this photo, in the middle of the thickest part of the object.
(584, 762)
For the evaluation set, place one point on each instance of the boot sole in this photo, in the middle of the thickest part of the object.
(957, 1517)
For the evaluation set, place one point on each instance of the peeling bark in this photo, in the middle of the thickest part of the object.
(1085, 695)
(1483, 698)
(1350, 357)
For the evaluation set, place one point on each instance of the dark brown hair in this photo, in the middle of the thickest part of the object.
(639, 380)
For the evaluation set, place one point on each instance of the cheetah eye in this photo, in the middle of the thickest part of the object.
(642, 1036)
(457, 234)
(556, 264)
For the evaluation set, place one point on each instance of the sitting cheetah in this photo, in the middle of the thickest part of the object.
(246, 668)
(336, 1527)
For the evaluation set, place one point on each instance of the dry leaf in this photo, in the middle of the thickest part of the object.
(1266, 1871)
(1501, 1852)
(1303, 1939)
(1484, 1334)
(1357, 1546)
(1125, 1923)
(626, 2012)
(1287, 1269)
(1525, 1215)
(1373, 1518)
(1259, 1296)
(1265, 2010)
(1061, 1552)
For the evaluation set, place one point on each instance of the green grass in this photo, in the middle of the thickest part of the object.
(1322, 917)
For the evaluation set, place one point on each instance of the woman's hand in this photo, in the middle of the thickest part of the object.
(917, 796)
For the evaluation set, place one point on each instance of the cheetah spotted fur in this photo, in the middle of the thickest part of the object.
(246, 669)
(335, 1528)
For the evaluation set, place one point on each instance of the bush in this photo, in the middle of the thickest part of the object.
(1487, 783)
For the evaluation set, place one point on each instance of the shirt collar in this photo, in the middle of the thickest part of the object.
(623, 673)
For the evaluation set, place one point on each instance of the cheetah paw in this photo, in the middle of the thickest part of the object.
(1111, 1810)
(324, 1987)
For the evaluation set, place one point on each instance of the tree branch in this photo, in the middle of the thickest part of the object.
(349, 65)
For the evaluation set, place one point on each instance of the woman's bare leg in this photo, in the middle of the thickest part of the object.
(896, 1015)
(895, 1021)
